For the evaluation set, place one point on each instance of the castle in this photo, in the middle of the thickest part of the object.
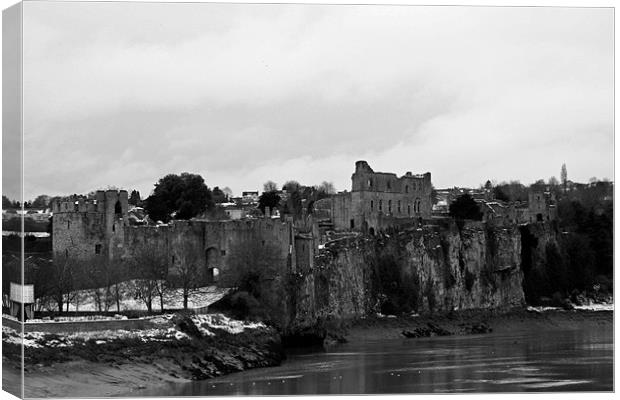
(380, 199)
(99, 227)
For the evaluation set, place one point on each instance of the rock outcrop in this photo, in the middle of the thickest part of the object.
(421, 270)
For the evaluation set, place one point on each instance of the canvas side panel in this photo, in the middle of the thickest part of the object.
(12, 195)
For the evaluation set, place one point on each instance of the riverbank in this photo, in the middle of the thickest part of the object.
(125, 367)
(101, 364)
(472, 322)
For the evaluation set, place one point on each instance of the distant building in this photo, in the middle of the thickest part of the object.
(37, 215)
(235, 212)
(249, 197)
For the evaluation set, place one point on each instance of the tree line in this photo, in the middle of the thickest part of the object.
(147, 275)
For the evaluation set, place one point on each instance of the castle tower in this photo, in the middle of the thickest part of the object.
(85, 228)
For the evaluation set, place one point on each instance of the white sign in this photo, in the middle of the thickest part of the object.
(22, 294)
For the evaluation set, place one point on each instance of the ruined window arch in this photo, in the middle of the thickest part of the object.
(389, 206)
(399, 206)
(118, 209)
(369, 183)
(408, 209)
(372, 205)
(68, 224)
(389, 185)
(212, 261)
(380, 205)
(97, 249)
(406, 188)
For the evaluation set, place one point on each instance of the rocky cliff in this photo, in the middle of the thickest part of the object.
(420, 270)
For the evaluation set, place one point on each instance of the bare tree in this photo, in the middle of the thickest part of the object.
(325, 189)
(291, 186)
(564, 176)
(151, 266)
(553, 181)
(186, 272)
(60, 279)
(118, 273)
(270, 186)
(92, 276)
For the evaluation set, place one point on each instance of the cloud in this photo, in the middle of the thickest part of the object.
(123, 93)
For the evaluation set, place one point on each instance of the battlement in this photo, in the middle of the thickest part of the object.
(108, 201)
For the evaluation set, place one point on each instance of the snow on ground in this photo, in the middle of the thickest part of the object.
(43, 339)
(596, 307)
(220, 321)
(542, 309)
(77, 319)
(165, 331)
(85, 300)
(589, 307)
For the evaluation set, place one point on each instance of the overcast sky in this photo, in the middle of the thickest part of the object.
(120, 94)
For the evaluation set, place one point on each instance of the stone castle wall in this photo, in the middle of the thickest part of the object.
(83, 230)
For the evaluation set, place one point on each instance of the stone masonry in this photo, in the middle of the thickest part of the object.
(379, 199)
(99, 228)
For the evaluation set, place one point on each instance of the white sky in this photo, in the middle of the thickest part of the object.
(120, 94)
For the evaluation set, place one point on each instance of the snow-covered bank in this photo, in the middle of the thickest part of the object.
(166, 330)
(584, 307)
(180, 347)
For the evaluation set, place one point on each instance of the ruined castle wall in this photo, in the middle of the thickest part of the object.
(98, 228)
(212, 241)
(378, 194)
(341, 215)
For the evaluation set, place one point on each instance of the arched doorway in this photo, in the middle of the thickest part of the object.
(213, 265)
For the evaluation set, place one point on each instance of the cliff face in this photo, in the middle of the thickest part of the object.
(543, 261)
(424, 270)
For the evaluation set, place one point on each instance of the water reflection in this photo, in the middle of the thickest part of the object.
(524, 361)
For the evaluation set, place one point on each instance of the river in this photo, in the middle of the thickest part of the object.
(525, 361)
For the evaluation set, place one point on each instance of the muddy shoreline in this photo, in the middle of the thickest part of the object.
(469, 321)
(122, 366)
(122, 375)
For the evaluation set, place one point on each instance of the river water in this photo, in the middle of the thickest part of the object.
(526, 361)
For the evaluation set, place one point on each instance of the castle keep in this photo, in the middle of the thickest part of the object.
(380, 199)
(85, 228)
